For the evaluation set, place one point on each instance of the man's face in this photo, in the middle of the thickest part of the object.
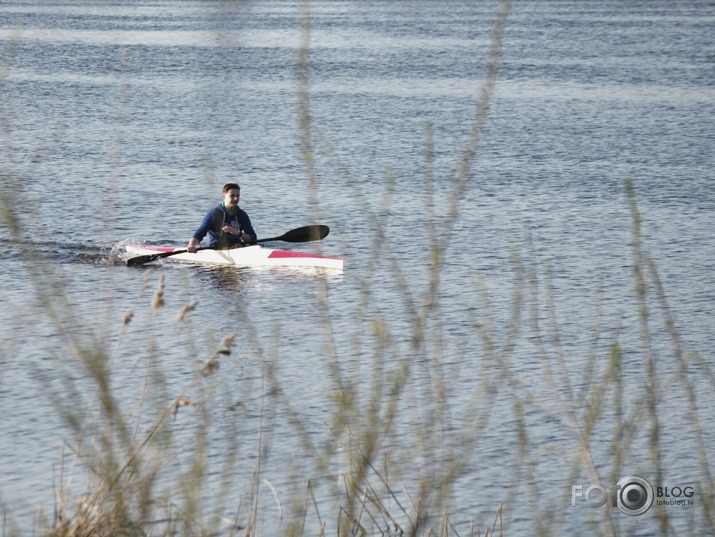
(230, 198)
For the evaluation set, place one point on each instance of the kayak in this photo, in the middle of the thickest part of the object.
(246, 256)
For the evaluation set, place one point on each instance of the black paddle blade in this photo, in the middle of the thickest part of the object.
(142, 259)
(302, 234)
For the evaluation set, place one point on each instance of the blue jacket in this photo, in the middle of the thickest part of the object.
(214, 221)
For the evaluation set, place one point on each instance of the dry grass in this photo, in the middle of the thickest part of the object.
(380, 482)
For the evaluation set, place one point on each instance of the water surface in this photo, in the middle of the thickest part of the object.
(122, 121)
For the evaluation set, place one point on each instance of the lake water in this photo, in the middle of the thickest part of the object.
(121, 121)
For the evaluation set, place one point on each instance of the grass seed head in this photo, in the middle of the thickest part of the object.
(228, 340)
(210, 367)
(191, 306)
(182, 401)
(157, 300)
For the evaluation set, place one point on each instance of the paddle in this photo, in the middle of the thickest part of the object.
(301, 234)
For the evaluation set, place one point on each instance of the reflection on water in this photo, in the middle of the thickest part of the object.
(234, 279)
(223, 279)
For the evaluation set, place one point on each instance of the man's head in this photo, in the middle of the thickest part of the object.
(231, 193)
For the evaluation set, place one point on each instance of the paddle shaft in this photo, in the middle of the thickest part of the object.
(301, 234)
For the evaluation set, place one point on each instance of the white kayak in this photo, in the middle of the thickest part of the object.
(246, 256)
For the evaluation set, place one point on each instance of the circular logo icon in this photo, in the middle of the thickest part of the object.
(635, 495)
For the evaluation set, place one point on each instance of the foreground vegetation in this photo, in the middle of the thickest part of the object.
(146, 466)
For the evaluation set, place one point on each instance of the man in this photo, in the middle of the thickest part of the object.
(226, 224)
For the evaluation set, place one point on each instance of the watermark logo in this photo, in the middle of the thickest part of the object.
(633, 495)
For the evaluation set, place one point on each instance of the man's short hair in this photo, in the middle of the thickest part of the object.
(230, 186)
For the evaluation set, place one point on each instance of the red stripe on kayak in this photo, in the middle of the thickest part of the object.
(283, 254)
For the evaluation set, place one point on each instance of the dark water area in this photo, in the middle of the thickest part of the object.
(121, 121)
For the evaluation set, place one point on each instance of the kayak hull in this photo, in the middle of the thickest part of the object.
(247, 256)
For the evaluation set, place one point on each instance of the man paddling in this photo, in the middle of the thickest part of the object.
(226, 224)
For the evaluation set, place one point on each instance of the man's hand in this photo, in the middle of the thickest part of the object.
(230, 230)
